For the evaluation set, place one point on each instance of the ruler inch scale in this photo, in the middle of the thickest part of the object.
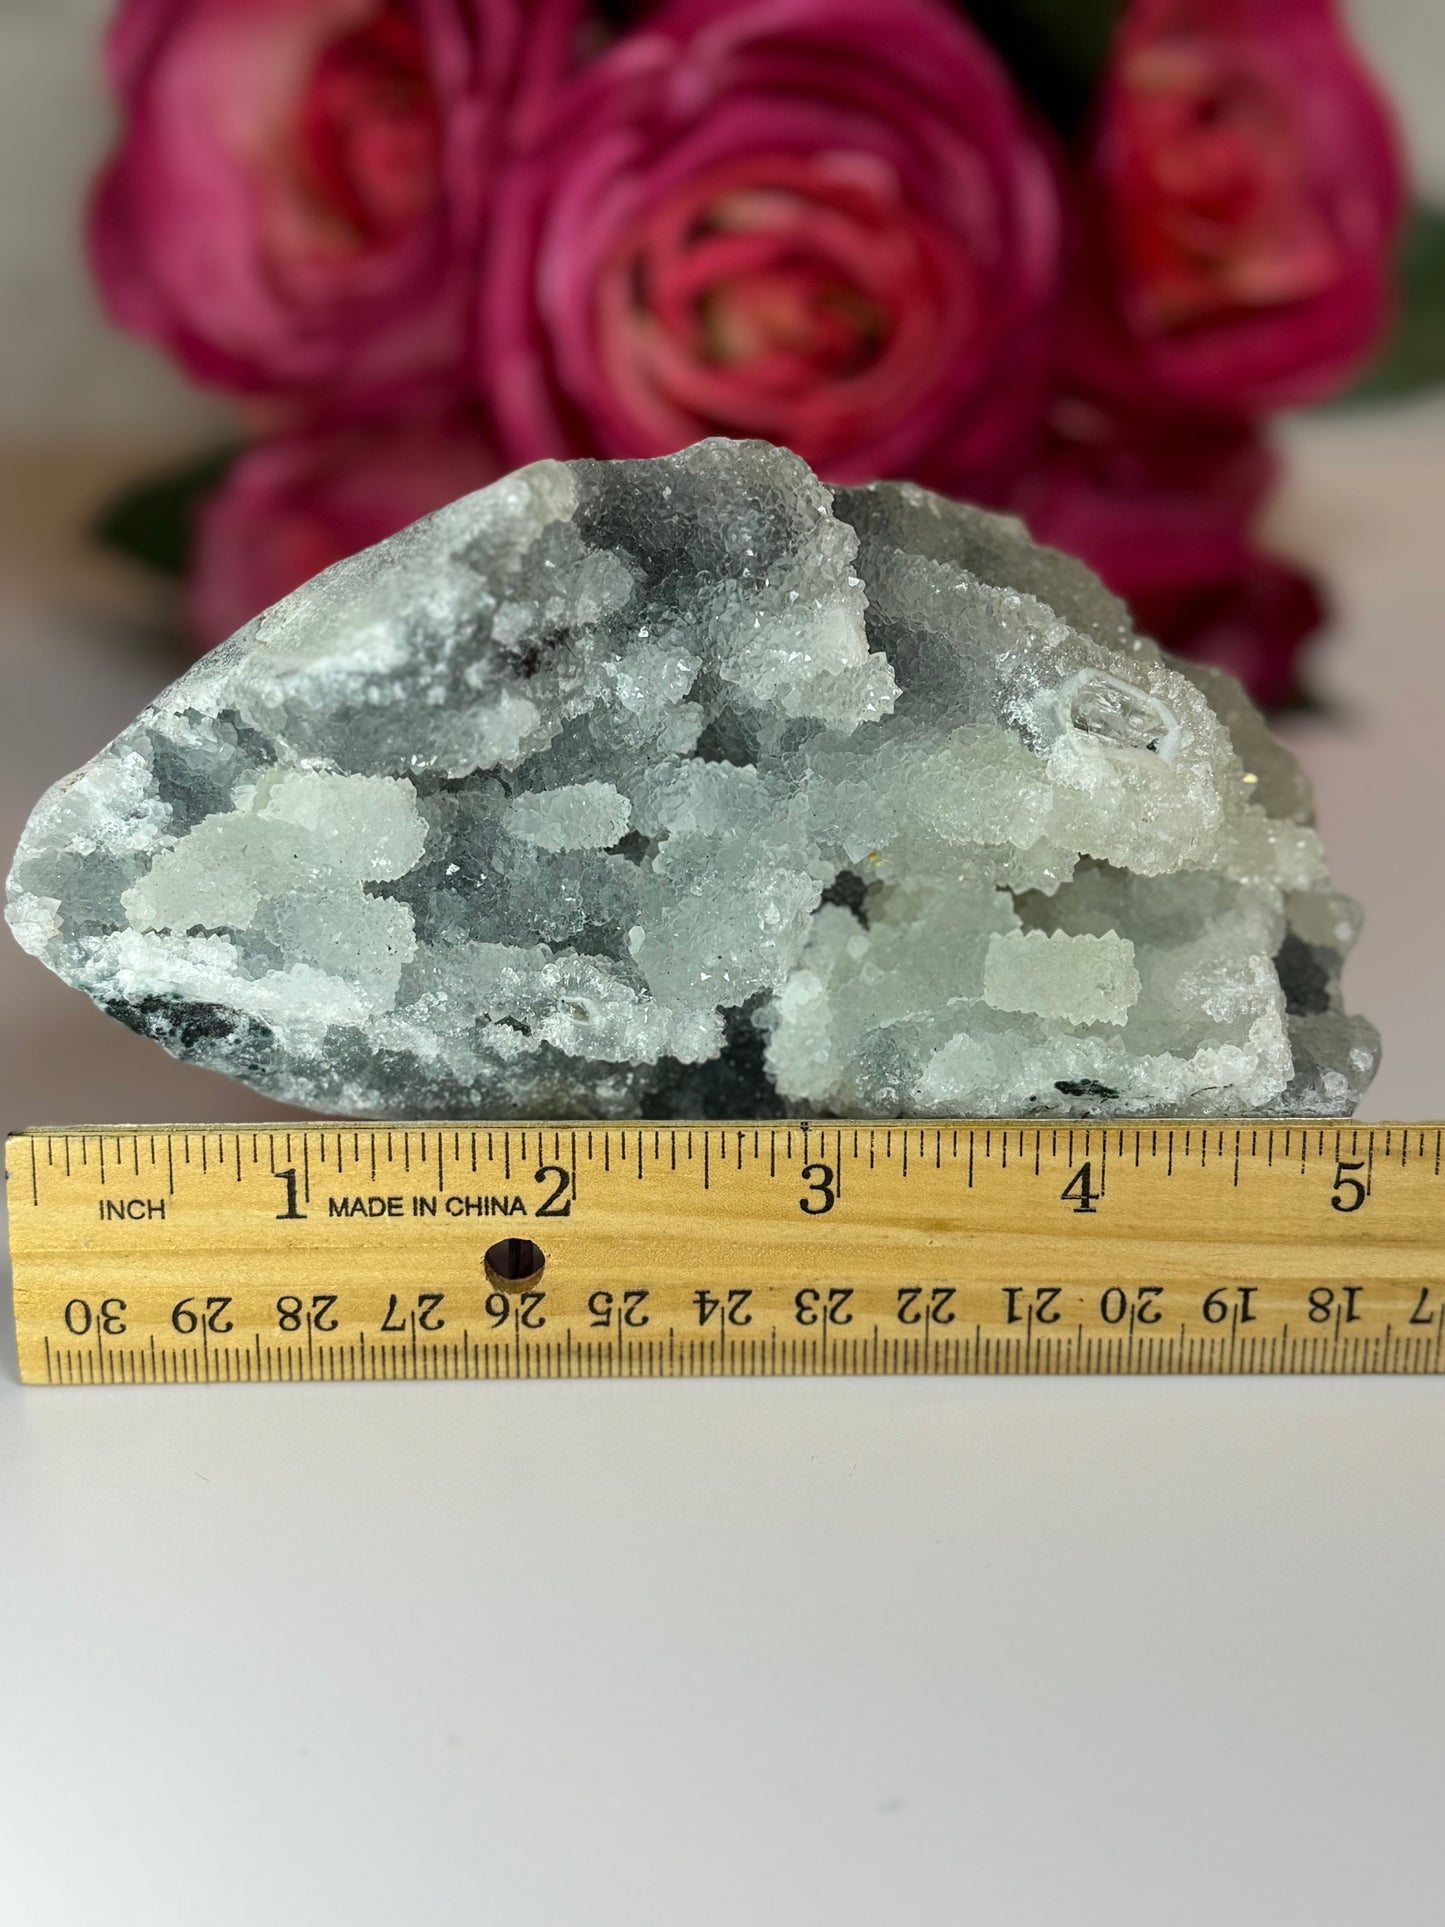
(208, 1254)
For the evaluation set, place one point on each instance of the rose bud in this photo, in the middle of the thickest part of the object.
(1254, 621)
(1243, 195)
(293, 506)
(822, 222)
(299, 184)
(1164, 508)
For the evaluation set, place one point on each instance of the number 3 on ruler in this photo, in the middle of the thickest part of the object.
(820, 1181)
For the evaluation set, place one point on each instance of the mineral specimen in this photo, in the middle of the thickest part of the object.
(691, 787)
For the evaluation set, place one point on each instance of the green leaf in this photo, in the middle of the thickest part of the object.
(154, 522)
(1055, 50)
(1414, 356)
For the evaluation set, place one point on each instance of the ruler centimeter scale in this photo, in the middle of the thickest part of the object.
(209, 1254)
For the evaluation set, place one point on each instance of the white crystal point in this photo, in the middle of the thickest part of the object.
(693, 787)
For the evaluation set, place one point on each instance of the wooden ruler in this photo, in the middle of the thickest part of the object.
(216, 1254)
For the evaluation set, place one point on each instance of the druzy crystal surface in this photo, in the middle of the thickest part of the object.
(693, 787)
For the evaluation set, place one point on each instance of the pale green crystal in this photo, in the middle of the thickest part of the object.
(691, 786)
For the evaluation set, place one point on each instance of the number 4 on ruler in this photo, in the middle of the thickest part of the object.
(1081, 1186)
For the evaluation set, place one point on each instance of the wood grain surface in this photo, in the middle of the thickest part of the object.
(188, 1254)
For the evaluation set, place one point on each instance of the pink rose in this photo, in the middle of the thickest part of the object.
(293, 506)
(1148, 502)
(299, 183)
(822, 222)
(1244, 193)
(1252, 622)
(1164, 510)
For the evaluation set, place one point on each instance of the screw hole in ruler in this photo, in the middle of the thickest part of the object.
(514, 1263)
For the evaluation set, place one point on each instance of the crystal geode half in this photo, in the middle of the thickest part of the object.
(691, 787)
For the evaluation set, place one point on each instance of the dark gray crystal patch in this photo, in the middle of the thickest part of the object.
(692, 787)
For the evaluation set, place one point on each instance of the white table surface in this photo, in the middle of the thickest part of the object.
(740, 1655)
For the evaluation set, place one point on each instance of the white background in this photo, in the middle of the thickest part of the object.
(724, 1655)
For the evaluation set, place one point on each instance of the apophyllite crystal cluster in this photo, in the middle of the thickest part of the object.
(690, 786)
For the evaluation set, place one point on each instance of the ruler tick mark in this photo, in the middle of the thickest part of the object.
(72, 1332)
